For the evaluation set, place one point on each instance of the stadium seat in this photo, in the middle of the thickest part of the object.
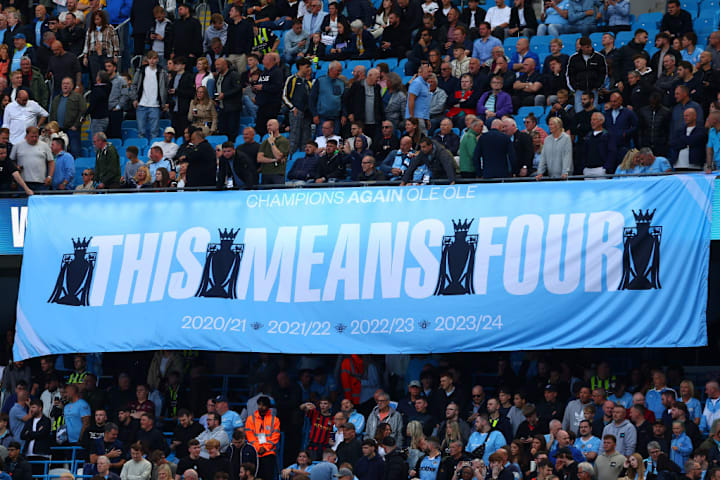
(401, 64)
(691, 6)
(540, 44)
(649, 20)
(705, 23)
(596, 39)
(247, 121)
(569, 40)
(156, 139)
(129, 124)
(78, 174)
(509, 45)
(350, 64)
(164, 123)
(709, 5)
(291, 161)
(217, 139)
(537, 111)
(391, 62)
(117, 143)
(84, 162)
(87, 151)
(623, 38)
(140, 143)
(129, 132)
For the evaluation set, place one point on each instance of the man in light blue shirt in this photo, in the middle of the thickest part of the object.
(418, 99)
(482, 47)
(19, 413)
(77, 413)
(63, 178)
(650, 163)
(230, 418)
(555, 22)
(354, 417)
(588, 445)
(653, 398)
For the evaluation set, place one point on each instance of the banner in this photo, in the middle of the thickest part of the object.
(13, 219)
(595, 264)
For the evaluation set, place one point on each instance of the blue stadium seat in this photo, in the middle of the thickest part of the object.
(291, 161)
(691, 6)
(391, 62)
(129, 132)
(78, 174)
(596, 39)
(540, 44)
(163, 123)
(140, 143)
(537, 111)
(623, 38)
(401, 64)
(129, 124)
(247, 120)
(117, 143)
(649, 20)
(84, 162)
(706, 23)
(350, 64)
(216, 139)
(156, 139)
(709, 5)
(569, 40)
(509, 45)
(87, 151)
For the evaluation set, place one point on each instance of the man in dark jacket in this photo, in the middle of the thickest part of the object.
(141, 19)
(472, 16)
(268, 91)
(676, 21)
(181, 91)
(688, 147)
(627, 52)
(621, 124)
(586, 71)
(16, 465)
(653, 125)
(188, 35)
(438, 160)
(663, 43)
(525, 26)
(523, 147)
(396, 468)
(304, 169)
(596, 157)
(37, 435)
(447, 137)
(349, 450)
(355, 103)
(235, 165)
(74, 109)
(494, 155)
(201, 162)
(239, 39)
(395, 40)
(72, 35)
(228, 93)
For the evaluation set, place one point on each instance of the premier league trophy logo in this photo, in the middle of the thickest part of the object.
(641, 254)
(76, 271)
(458, 261)
(222, 263)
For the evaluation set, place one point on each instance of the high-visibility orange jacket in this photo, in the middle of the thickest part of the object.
(351, 371)
(256, 425)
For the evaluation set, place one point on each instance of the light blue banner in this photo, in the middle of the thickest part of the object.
(595, 264)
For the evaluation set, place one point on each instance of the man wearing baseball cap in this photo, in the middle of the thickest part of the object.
(550, 408)
(230, 418)
(168, 145)
(406, 405)
(20, 48)
(344, 474)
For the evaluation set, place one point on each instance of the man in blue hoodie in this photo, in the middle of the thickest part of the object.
(328, 105)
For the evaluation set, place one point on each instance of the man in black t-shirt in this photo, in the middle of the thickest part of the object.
(9, 172)
(193, 461)
(109, 446)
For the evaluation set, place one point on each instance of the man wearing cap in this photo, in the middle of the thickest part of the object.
(19, 49)
(344, 474)
(263, 433)
(406, 405)
(350, 449)
(16, 465)
(550, 408)
(230, 418)
(168, 146)
(326, 469)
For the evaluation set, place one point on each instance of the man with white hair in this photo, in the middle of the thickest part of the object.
(523, 146)
(363, 103)
(711, 412)
(103, 468)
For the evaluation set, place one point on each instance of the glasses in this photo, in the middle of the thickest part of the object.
(86, 174)
(387, 126)
(477, 396)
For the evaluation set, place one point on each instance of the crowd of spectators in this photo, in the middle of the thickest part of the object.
(358, 417)
(305, 91)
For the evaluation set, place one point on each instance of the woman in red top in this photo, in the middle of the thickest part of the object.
(460, 104)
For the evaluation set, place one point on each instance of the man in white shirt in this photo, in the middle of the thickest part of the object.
(328, 132)
(149, 94)
(35, 160)
(214, 430)
(168, 145)
(499, 18)
(21, 114)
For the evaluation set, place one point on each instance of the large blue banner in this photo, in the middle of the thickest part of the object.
(606, 263)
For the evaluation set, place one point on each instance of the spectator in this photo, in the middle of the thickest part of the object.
(67, 110)
(17, 466)
(76, 412)
(21, 114)
(582, 15)
(295, 42)
(88, 177)
(33, 80)
(621, 124)
(499, 18)
(370, 466)
(131, 166)
(149, 94)
(617, 15)
(72, 35)
(494, 103)
(137, 468)
(397, 161)
(622, 429)
(494, 155)
(676, 21)
(328, 105)
(395, 40)
(117, 100)
(363, 103)
(554, 18)
(228, 90)
(304, 170)
(98, 105)
(107, 162)
(418, 101)
(663, 42)
(63, 177)
(438, 102)
(63, 64)
(385, 142)
(688, 146)
(181, 90)
(556, 158)
(523, 148)
(101, 44)
(447, 138)
(527, 89)
(187, 39)
(610, 463)
(273, 155)
(217, 29)
(157, 160)
(312, 22)
(463, 101)
(482, 47)
(467, 148)
(713, 158)
(690, 52)
(439, 163)
(522, 20)
(596, 155)
(588, 444)
(522, 51)
(34, 159)
(369, 172)
(214, 430)
(9, 172)
(586, 71)
(141, 20)
(201, 164)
